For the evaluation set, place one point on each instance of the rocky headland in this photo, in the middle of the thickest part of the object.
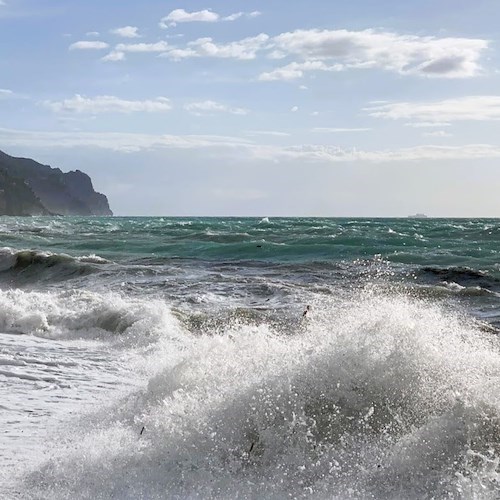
(30, 188)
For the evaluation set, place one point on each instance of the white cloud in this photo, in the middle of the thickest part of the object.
(320, 50)
(202, 16)
(403, 54)
(125, 142)
(88, 45)
(340, 50)
(233, 17)
(338, 130)
(142, 47)
(10, 94)
(181, 16)
(437, 133)
(126, 32)
(427, 124)
(245, 49)
(114, 56)
(118, 53)
(478, 108)
(179, 54)
(92, 33)
(331, 154)
(294, 109)
(208, 107)
(237, 15)
(107, 104)
(296, 70)
(276, 54)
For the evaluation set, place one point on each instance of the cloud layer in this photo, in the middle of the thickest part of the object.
(210, 107)
(107, 104)
(477, 108)
(243, 149)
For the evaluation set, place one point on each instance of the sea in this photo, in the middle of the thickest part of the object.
(170, 358)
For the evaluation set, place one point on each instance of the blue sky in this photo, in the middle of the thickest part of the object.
(359, 108)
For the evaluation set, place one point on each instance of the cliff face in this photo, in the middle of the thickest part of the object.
(16, 198)
(30, 188)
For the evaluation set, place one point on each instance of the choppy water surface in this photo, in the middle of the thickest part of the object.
(169, 358)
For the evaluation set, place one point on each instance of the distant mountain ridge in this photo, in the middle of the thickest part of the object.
(30, 188)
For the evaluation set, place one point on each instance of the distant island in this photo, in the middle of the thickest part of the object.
(30, 188)
(417, 216)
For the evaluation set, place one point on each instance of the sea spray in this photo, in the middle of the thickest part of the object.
(374, 397)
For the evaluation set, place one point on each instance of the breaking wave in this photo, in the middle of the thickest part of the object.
(372, 396)
(85, 315)
(28, 266)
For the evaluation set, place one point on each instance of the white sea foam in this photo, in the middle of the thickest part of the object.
(63, 351)
(371, 397)
(7, 258)
(85, 315)
(93, 259)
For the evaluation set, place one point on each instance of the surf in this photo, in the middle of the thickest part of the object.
(374, 396)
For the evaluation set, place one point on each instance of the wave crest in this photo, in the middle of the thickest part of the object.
(376, 398)
(85, 315)
(31, 266)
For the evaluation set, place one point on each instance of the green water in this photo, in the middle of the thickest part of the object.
(472, 243)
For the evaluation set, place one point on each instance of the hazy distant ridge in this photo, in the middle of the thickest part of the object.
(30, 188)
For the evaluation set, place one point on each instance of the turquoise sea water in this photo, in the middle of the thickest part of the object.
(408, 241)
(174, 357)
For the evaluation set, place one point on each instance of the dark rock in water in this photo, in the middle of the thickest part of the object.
(30, 188)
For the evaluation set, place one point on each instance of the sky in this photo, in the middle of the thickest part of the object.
(359, 108)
